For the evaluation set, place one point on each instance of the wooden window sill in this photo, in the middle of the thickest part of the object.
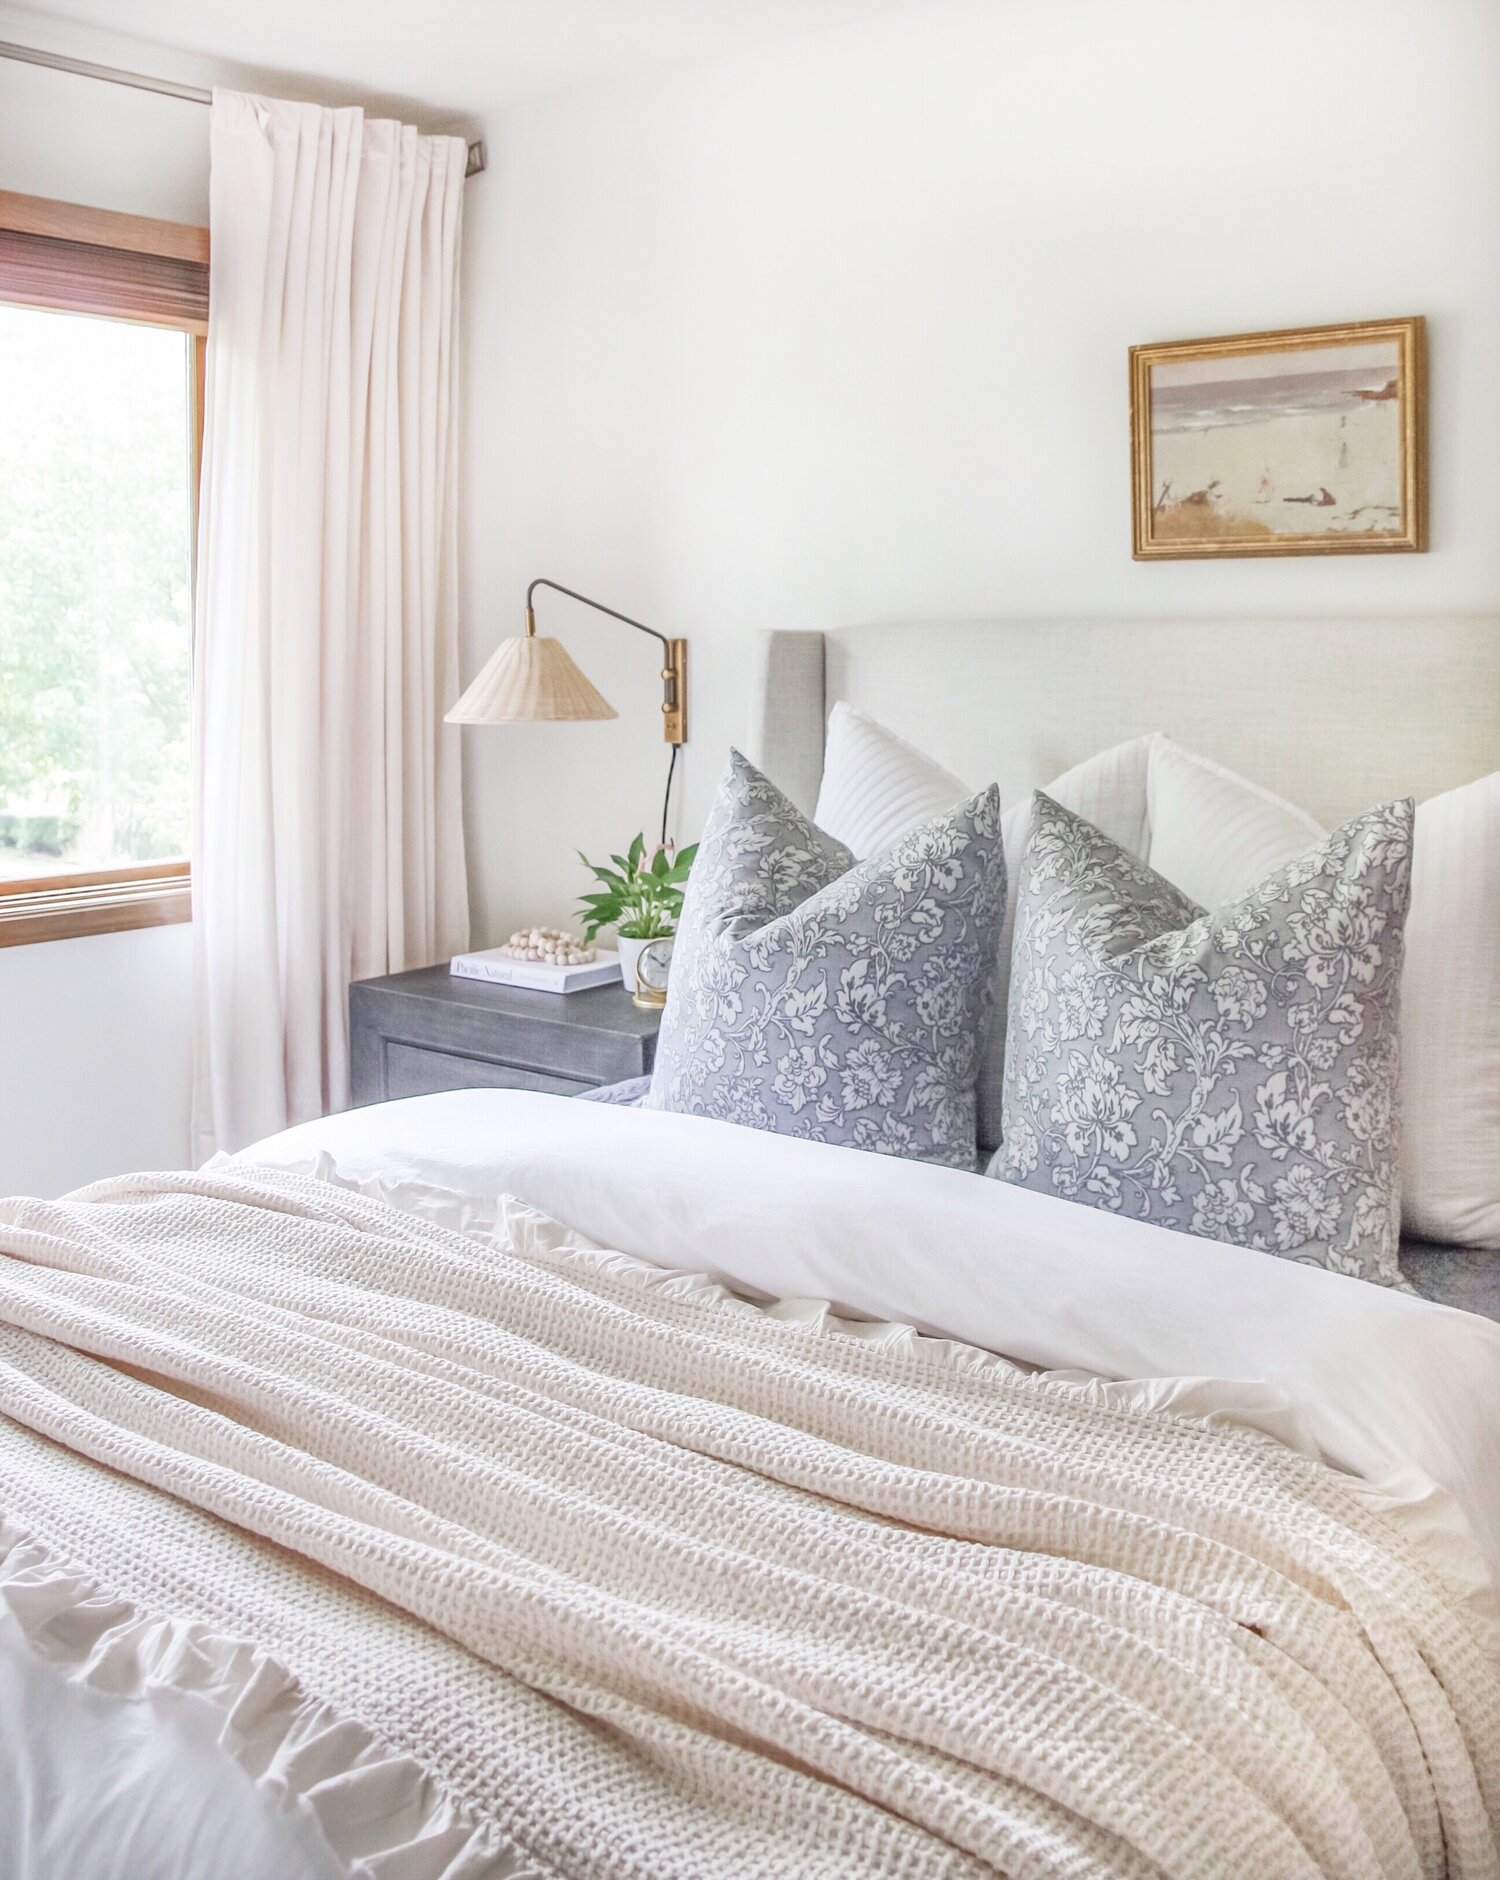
(61, 907)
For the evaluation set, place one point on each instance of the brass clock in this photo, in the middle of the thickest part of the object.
(650, 989)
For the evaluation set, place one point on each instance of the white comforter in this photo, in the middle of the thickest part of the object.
(1404, 1395)
(1401, 1393)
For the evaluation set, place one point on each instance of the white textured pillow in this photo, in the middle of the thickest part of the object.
(1215, 835)
(876, 786)
(1450, 1162)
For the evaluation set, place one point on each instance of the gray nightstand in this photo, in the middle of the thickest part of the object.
(415, 1033)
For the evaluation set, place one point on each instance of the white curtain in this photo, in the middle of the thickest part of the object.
(327, 842)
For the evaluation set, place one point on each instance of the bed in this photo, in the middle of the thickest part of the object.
(1334, 714)
(494, 1483)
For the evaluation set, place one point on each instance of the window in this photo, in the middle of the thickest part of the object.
(101, 359)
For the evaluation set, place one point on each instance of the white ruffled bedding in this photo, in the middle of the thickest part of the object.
(1406, 1395)
(145, 1747)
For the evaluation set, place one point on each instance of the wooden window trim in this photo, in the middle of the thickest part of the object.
(71, 259)
(102, 228)
(61, 907)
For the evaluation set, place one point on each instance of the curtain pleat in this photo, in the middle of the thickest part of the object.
(328, 840)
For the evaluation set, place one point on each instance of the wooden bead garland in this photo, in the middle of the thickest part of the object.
(550, 946)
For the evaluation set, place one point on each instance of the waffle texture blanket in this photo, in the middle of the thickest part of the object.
(621, 1575)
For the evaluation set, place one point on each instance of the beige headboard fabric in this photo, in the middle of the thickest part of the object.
(1334, 714)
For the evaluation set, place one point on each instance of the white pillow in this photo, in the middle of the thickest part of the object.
(876, 786)
(1450, 1021)
(1214, 834)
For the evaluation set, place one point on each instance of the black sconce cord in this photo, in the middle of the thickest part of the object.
(666, 802)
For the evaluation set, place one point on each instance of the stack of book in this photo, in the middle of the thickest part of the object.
(535, 975)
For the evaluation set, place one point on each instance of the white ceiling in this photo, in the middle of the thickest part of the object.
(462, 58)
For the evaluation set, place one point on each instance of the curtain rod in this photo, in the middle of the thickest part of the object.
(167, 87)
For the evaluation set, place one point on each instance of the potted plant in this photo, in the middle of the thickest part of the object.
(640, 898)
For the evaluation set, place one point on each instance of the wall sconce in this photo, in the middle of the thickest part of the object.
(531, 679)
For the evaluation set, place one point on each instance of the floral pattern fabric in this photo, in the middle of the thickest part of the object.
(627, 1094)
(1234, 1075)
(814, 997)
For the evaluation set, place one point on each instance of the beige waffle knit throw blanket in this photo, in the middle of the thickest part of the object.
(651, 1582)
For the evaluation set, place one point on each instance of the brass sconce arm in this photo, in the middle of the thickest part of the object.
(674, 656)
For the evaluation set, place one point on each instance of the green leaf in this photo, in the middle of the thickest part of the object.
(660, 863)
(637, 850)
(648, 925)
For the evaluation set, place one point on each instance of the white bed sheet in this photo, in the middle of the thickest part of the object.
(1399, 1392)
(97, 1785)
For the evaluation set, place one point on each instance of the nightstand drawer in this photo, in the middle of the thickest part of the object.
(412, 1071)
(414, 1034)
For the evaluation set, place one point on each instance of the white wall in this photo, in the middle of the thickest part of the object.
(94, 1058)
(838, 333)
(77, 140)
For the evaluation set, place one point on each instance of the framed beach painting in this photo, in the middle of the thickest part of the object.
(1299, 443)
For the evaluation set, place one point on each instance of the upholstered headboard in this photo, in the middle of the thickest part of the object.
(1335, 714)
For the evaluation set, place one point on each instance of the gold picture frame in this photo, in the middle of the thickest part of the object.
(1311, 441)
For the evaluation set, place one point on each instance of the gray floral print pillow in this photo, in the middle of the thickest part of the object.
(1233, 1075)
(817, 998)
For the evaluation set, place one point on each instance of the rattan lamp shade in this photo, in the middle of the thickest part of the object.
(529, 680)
